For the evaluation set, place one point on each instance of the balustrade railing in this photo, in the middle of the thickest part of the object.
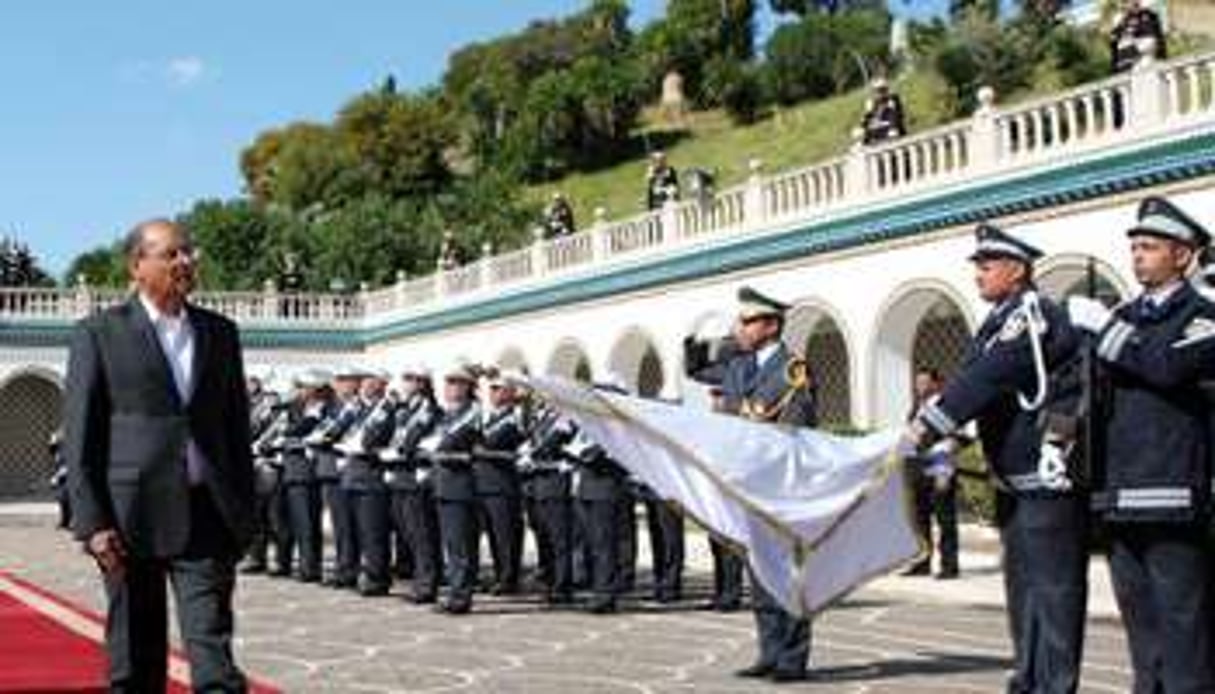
(1149, 102)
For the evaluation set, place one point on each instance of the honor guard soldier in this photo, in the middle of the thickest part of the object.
(763, 382)
(661, 182)
(546, 474)
(450, 448)
(408, 476)
(599, 485)
(363, 484)
(301, 491)
(496, 477)
(1136, 33)
(264, 413)
(1005, 384)
(1153, 480)
(728, 560)
(321, 443)
(883, 119)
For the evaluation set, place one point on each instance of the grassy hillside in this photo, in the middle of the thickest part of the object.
(787, 139)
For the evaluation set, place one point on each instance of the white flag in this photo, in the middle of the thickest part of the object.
(817, 514)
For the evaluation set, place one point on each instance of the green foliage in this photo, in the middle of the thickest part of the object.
(238, 241)
(693, 35)
(398, 140)
(19, 267)
(736, 88)
(103, 266)
(823, 54)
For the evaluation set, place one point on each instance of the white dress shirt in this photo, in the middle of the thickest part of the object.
(176, 337)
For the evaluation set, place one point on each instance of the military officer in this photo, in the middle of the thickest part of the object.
(1136, 33)
(450, 447)
(348, 412)
(546, 472)
(363, 485)
(496, 478)
(883, 119)
(408, 476)
(1005, 383)
(661, 182)
(300, 489)
(1153, 488)
(765, 383)
(263, 412)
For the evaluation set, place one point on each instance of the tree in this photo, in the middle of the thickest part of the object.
(237, 240)
(104, 266)
(823, 54)
(694, 33)
(19, 267)
(400, 141)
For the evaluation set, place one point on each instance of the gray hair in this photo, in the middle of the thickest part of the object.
(132, 243)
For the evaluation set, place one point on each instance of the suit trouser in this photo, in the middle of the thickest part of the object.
(501, 515)
(1162, 581)
(280, 530)
(371, 530)
(666, 544)
(203, 579)
(458, 529)
(259, 541)
(600, 519)
(784, 640)
(415, 512)
(728, 568)
(940, 503)
(304, 512)
(1046, 583)
(345, 540)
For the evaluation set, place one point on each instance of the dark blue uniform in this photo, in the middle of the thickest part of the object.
(301, 490)
(664, 524)
(765, 393)
(600, 484)
(321, 442)
(455, 489)
(363, 484)
(415, 514)
(1042, 525)
(547, 488)
(1154, 487)
(499, 493)
(264, 425)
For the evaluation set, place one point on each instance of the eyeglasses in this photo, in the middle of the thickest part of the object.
(172, 255)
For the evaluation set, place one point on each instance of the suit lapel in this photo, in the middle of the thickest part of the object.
(202, 346)
(152, 349)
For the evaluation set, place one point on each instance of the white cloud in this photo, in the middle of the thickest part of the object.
(184, 71)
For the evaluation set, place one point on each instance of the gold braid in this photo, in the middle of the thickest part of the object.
(797, 377)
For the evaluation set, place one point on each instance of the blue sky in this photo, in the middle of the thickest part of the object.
(118, 111)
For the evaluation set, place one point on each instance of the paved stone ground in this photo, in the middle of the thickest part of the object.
(929, 637)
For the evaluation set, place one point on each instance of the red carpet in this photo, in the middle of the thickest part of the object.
(48, 644)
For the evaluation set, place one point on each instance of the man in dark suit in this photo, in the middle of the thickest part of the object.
(157, 449)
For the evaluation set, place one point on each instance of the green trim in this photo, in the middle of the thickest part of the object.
(1174, 161)
(1128, 171)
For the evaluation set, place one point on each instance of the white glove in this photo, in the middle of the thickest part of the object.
(1052, 467)
(1088, 314)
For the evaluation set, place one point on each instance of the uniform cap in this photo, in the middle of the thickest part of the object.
(1159, 217)
(993, 242)
(752, 304)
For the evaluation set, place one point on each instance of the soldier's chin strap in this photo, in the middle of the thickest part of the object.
(1052, 460)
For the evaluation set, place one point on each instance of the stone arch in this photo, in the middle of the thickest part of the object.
(923, 325)
(1070, 274)
(815, 330)
(512, 359)
(636, 358)
(570, 360)
(31, 408)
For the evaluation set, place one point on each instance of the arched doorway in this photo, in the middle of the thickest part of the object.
(31, 407)
(923, 328)
(813, 332)
(635, 359)
(1065, 276)
(569, 360)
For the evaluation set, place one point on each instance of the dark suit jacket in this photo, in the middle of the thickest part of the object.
(126, 430)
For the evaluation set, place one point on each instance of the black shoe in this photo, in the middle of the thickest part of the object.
(727, 605)
(279, 572)
(602, 606)
(947, 574)
(308, 577)
(370, 591)
(504, 589)
(917, 569)
(423, 598)
(560, 598)
(252, 567)
(341, 583)
(454, 607)
(756, 671)
(787, 675)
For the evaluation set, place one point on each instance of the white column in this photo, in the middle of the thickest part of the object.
(1148, 96)
(985, 137)
(755, 213)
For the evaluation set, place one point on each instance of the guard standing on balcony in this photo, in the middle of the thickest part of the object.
(1154, 487)
(1011, 382)
(1137, 32)
(883, 119)
(558, 217)
(661, 182)
(450, 447)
